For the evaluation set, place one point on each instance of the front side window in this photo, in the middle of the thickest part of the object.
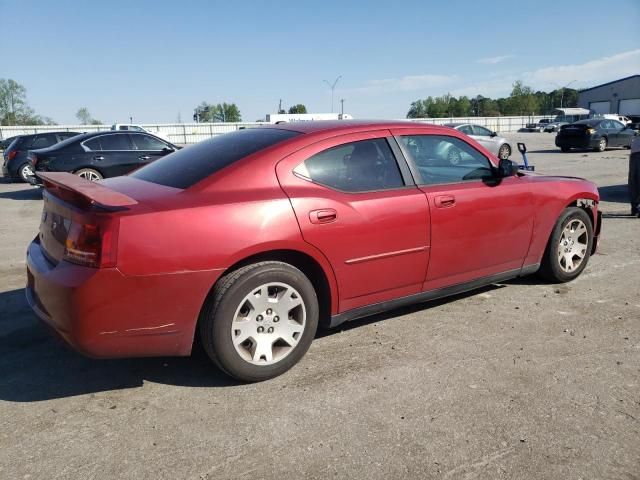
(440, 159)
(147, 142)
(616, 124)
(466, 129)
(481, 131)
(367, 165)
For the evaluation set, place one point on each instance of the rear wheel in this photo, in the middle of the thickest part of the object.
(602, 145)
(569, 247)
(89, 174)
(504, 152)
(259, 321)
(25, 171)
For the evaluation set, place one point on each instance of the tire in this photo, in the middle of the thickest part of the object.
(569, 246)
(249, 299)
(89, 174)
(25, 170)
(565, 149)
(602, 145)
(505, 151)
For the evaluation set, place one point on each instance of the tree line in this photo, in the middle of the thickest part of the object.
(522, 101)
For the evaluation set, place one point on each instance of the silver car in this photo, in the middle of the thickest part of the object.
(485, 137)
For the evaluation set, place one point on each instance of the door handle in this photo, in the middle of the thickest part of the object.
(326, 215)
(445, 201)
(98, 157)
(144, 157)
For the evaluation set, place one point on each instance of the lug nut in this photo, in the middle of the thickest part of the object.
(259, 318)
(260, 329)
(270, 330)
(269, 311)
(276, 319)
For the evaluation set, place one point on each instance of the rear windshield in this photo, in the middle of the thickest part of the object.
(188, 166)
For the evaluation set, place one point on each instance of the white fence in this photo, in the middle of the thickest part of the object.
(185, 133)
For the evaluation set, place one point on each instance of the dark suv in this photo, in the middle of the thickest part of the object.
(16, 164)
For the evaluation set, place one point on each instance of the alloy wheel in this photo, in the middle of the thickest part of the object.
(268, 323)
(572, 248)
(90, 175)
(26, 171)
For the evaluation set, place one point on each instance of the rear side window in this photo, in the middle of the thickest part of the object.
(43, 141)
(188, 166)
(115, 142)
(364, 166)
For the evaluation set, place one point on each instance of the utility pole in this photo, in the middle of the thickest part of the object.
(332, 86)
(342, 106)
(280, 106)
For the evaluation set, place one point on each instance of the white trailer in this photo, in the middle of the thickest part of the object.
(305, 117)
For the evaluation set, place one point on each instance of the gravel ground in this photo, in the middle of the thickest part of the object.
(517, 380)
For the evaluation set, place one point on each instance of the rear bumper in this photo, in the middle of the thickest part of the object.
(105, 314)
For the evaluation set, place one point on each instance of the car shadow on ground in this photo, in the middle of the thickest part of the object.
(30, 193)
(36, 366)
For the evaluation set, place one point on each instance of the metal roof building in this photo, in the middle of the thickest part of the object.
(620, 96)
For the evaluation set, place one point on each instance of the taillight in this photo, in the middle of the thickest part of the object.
(92, 244)
(12, 154)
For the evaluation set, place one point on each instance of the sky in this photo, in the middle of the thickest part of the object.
(157, 60)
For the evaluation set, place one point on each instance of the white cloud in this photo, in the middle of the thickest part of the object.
(407, 83)
(587, 74)
(494, 60)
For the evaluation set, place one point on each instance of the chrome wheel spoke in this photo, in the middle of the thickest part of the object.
(268, 323)
(573, 244)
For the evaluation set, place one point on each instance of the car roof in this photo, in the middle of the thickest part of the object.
(44, 133)
(347, 126)
(591, 121)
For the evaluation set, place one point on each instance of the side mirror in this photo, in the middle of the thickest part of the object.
(507, 168)
(493, 134)
(168, 150)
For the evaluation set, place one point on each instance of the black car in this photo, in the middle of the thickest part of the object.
(595, 133)
(100, 155)
(16, 164)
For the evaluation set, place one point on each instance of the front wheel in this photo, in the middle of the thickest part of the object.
(602, 145)
(504, 152)
(569, 246)
(259, 321)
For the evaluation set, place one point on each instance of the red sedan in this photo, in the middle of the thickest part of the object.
(256, 237)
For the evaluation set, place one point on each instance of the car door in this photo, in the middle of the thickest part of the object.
(358, 206)
(149, 148)
(484, 137)
(112, 154)
(481, 225)
(617, 131)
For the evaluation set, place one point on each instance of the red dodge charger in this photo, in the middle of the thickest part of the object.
(255, 238)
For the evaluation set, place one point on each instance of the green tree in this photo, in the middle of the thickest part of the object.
(418, 109)
(299, 108)
(522, 100)
(13, 102)
(85, 118)
(222, 112)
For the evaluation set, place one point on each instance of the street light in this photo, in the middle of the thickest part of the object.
(562, 90)
(332, 86)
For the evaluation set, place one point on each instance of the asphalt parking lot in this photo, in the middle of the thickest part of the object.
(517, 380)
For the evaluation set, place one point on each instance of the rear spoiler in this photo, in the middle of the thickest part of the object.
(71, 187)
